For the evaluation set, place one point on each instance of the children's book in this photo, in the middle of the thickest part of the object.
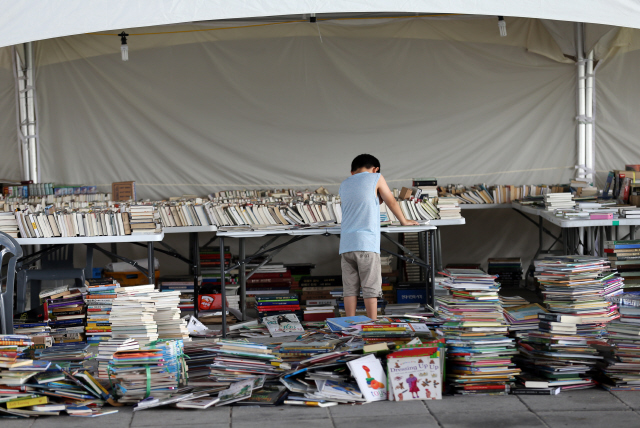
(414, 374)
(370, 377)
(236, 392)
(283, 325)
(342, 323)
(201, 403)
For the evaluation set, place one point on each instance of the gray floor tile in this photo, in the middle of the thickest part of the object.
(487, 419)
(16, 423)
(589, 399)
(596, 419)
(120, 419)
(213, 416)
(496, 404)
(416, 407)
(249, 414)
(407, 421)
(630, 398)
(275, 423)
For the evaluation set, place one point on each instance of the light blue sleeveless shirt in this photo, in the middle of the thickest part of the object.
(360, 213)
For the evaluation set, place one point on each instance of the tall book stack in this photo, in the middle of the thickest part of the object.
(479, 352)
(144, 219)
(558, 201)
(66, 314)
(561, 352)
(508, 270)
(167, 315)
(9, 224)
(210, 269)
(132, 314)
(99, 299)
(270, 279)
(182, 284)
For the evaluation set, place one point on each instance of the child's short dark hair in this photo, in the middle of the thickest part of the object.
(365, 161)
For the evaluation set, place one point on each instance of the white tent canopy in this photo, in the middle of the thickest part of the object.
(30, 20)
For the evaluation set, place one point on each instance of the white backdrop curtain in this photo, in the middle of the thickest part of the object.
(9, 159)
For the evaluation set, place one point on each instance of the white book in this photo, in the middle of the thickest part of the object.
(370, 376)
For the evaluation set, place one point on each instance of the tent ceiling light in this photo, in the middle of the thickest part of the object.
(124, 47)
(502, 26)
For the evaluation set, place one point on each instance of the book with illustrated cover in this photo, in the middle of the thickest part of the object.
(414, 374)
(238, 391)
(370, 376)
(283, 325)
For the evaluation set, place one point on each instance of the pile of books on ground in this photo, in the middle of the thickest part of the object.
(99, 299)
(319, 287)
(624, 257)
(523, 318)
(132, 314)
(478, 350)
(66, 315)
(508, 270)
(275, 305)
(621, 366)
(270, 279)
(562, 352)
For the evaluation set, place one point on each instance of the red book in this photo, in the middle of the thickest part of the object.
(263, 275)
(278, 308)
(478, 387)
(282, 280)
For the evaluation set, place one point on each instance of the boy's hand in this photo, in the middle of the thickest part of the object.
(409, 223)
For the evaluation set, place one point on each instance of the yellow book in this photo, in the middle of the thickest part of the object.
(14, 404)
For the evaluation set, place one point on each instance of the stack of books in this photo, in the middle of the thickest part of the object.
(624, 257)
(621, 366)
(508, 270)
(183, 284)
(198, 361)
(99, 299)
(318, 312)
(374, 333)
(238, 360)
(270, 279)
(319, 287)
(132, 314)
(478, 350)
(558, 201)
(281, 304)
(156, 371)
(66, 315)
(523, 318)
(107, 348)
(9, 224)
(186, 213)
(168, 316)
(449, 207)
(144, 219)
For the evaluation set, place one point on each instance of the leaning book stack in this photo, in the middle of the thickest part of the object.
(479, 353)
(66, 315)
(99, 299)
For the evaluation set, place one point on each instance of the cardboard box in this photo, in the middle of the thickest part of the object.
(405, 193)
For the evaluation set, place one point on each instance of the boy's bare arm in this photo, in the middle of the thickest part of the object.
(387, 196)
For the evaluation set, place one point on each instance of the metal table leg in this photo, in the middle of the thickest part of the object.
(151, 274)
(632, 233)
(243, 280)
(223, 290)
(195, 269)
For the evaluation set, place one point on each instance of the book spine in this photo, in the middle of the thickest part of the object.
(525, 391)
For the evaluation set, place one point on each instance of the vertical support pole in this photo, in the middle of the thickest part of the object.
(589, 125)
(438, 249)
(195, 260)
(432, 277)
(632, 233)
(151, 274)
(88, 269)
(565, 242)
(223, 290)
(243, 280)
(580, 238)
(540, 236)
(580, 108)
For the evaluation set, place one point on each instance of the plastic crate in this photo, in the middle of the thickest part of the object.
(131, 278)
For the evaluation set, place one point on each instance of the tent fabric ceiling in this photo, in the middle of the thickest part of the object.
(530, 34)
(51, 19)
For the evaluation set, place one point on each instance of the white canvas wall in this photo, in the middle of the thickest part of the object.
(9, 161)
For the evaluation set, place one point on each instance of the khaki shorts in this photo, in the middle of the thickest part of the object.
(361, 269)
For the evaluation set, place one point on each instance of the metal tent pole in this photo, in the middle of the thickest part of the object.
(580, 92)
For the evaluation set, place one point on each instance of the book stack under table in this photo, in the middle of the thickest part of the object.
(478, 350)
(508, 270)
(274, 305)
(562, 352)
(625, 258)
(66, 314)
(99, 299)
(621, 365)
(132, 314)
(182, 284)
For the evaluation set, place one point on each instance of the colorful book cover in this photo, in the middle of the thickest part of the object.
(339, 324)
(283, 325)
(370, 377)
(236, 392)
(415, 374)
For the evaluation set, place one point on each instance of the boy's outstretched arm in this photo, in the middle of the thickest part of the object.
(387, 196)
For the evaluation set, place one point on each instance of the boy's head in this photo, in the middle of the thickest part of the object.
(365, 162)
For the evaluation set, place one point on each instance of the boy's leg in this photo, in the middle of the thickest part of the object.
(370, 275)
(350, 283)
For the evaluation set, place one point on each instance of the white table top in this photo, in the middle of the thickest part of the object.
(318, 231)
(189, 229)
(569, 223)
(91, 239)
(448, 222)
(484, 206)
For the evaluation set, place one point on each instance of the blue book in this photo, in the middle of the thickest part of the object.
(339, 324)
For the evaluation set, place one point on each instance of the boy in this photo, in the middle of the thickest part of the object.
(361, 195)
